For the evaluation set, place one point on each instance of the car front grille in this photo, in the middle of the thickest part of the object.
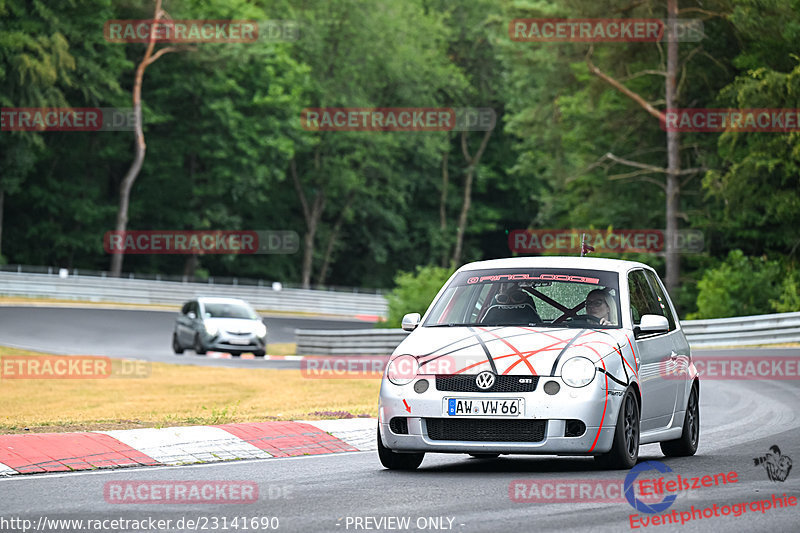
(483, 430)
(466, 383)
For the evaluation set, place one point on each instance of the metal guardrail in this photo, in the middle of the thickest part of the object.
(211, 280)
(140, 291)
(348, 342)
(739, 331)
(744, 330)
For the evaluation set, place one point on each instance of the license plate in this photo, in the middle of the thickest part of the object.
(240, 341)
(484, 406)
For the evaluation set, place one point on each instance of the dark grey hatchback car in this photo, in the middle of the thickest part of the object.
(221, 325)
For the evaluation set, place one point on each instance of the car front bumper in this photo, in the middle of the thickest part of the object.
(590, 404)
(224, 342)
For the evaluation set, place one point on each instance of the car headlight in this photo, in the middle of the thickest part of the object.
(211, 329)
(402, 370)
(261, 330)
(578, 372)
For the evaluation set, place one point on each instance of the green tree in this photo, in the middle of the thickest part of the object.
(754, 185)
(739, 286)
(53, 55)
(414, 292)
(364, 54)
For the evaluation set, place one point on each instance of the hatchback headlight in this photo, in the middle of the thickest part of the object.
(261, 330)
(211, 329)
(402, 370)
(578, 372)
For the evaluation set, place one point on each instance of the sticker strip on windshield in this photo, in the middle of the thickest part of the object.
(528, 277)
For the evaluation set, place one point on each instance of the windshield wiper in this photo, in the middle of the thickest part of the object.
(520, 325)
(453, 325)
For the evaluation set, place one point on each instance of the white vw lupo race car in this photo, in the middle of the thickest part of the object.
(542, 355)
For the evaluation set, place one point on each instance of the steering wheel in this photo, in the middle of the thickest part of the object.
(590, 318)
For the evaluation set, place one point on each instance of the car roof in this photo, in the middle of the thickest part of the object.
(589, 263)
(217, 300)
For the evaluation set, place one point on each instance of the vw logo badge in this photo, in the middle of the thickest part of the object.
(484, 380)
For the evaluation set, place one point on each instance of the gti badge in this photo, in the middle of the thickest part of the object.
(484, 380)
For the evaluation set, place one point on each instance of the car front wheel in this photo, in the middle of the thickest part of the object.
(625, 447)
(198, 346)
(398, 461)
(176, 346)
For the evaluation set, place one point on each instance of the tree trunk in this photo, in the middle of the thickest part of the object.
(673, 170)
(673, 155)
(462, 217)
(443, 205)
(2, 203)
(141, 147)
(130, 177)
(190, 266)
(312, 215)
(192, 262)
(472, 164)
(326, 260)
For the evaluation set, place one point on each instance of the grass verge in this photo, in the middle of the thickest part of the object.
(177, 395)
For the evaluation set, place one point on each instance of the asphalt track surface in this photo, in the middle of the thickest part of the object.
(740, 420)
(138, 334)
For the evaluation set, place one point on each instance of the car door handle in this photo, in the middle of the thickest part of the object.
(673, 356)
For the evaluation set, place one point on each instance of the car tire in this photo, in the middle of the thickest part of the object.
(260, 353)
(198, 346)
(625, 447)
(485, 455)
(176, 346)
(686, 445)
(398, 461)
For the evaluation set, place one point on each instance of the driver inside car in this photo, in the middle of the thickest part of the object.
(600, 304)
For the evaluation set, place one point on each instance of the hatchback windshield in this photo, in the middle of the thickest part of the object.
(529, 297)
(223, 310)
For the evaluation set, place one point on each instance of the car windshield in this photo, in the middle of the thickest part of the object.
(537, 297)
(232, 310)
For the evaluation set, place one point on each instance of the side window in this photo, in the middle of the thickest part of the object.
(663, 304)
(643, 300)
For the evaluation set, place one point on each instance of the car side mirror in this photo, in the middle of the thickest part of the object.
(410, 321)
(651, 324)
(191, 315)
